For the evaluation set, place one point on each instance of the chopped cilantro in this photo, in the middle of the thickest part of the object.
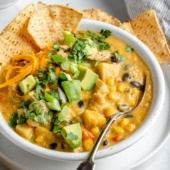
(56, 47)
(16, 119)
(105, 33)
(117, 57)
(129, 49)
(26, 103)
(103, 46)
(79, 52)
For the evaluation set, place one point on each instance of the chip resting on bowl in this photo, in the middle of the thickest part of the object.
(100, 15)
(48, 22)
(15, 37)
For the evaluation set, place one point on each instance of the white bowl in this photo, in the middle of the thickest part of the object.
(6, 3)
(156, 106)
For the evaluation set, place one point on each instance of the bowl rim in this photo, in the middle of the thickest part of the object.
(155, 109)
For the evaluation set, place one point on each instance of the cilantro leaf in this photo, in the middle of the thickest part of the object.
(117, 57)
(129, 49)
(16, 119)
(105, 33)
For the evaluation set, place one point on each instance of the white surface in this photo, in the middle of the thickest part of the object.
(15, 158)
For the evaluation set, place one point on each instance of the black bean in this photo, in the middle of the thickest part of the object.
(53, 145)
(126, 76)
(81, 103)
(137, 85)
(115, 59)
(105, 142)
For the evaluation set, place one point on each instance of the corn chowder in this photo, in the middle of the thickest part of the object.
(61, 97)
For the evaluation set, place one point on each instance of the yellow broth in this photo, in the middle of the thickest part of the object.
(112, 91)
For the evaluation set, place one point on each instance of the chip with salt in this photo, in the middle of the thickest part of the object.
(146, 27)
(15, 38)
(43, 28)
(69, 18)
(127, 26)
(100, 15)
(47, 24)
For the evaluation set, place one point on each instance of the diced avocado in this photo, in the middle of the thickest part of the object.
(91, 49)
(88, 79)
(27, 84)
(52, 103)
(72, 135)
(72, 89)
(62, 116)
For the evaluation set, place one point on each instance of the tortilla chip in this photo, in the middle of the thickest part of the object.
(43, 28)
(15, 37)
(69, 18)
(146, 27)
(99, 15)
(127, 26)
(47, 24)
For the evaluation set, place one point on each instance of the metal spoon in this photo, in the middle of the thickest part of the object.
(89, 164)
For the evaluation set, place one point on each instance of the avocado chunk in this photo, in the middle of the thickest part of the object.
(89, 79)
(72, 89)
(72, 135)
(91, 49)
(62, 116)
(52, 103)
(27, 84)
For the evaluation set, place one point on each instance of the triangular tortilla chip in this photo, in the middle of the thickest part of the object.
(43, 28)
(127, 26)
(15, 37)
(69, 18)
(146, 27)
(47, 24)
(100, 15)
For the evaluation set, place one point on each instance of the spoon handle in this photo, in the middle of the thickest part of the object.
(89, 164)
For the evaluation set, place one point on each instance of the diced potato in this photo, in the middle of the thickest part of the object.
(101, 88)
(25, 131)
(95, 131)
(106, 70)
(44, 137)
(93, 119)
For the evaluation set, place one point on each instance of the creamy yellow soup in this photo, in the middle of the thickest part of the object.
(119, 76)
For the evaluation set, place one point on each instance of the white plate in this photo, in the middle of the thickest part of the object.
(16, 158)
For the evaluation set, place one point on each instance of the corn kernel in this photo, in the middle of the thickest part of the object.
(130, 127)
(110, 81)
(95, 131)
(118, 129)
(88, 144)
(107, 135)
(111, 95)
(124, 122)
(109, 111)
(136, 91)
(120, 87)
(39, 139)
(123, 87)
